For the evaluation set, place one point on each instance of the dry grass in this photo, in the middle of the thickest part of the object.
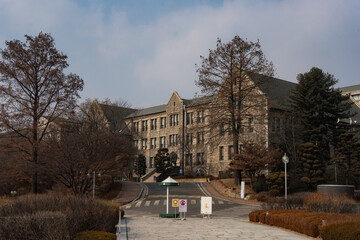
(80, 214)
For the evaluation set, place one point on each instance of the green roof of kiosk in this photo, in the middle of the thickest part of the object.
(169, 182)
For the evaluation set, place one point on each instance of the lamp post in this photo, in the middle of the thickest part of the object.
(99, 174)
(285, 160)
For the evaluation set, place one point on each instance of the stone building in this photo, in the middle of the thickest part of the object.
(183, 126)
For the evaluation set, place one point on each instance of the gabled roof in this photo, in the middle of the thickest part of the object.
(115, 115)
(352, 88)
(277, 90)
(148, 111)
(197, 101)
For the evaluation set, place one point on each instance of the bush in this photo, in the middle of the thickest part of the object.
(42, 225)
(257, 187)
(294, 201)
(262, 197)
(274, 193)
(324, 203)
(300, 221)
(81, 213)
(340, 231)
(95, 235)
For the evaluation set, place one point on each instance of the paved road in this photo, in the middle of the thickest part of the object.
(154, 202)
(228, 221)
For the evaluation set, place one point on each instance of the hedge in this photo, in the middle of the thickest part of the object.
(95, 235)
(341, 231)
(308, 223)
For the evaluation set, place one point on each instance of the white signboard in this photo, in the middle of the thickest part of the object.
(206, 205)
(182, 205)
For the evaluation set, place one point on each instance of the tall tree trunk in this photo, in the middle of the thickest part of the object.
(237, 172)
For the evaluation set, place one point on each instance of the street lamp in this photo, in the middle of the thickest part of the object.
(99, 174)
(285, 160)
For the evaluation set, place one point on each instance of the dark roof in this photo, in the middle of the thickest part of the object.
(115, 115)
(277, 90)
(197, 101)
(148, 111)
(350, 88)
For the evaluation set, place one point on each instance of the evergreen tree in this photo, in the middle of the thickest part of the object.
(347, 156)
(319, 106)
(162, 160)
(311, 167)
(140, 165)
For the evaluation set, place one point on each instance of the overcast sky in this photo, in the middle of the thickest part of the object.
(143, 50)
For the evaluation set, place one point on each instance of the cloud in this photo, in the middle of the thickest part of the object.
(144, 62)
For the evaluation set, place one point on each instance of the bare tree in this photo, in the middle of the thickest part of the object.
(33, 85)
(232, 73)
(72, 158)
(255, 159)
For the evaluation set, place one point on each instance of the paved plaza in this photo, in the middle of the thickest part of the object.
(141, 228)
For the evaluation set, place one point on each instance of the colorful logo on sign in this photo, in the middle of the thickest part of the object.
(183, 205)
(175, 202)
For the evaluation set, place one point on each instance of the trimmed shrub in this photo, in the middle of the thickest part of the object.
(257, 187)
(300, 221)
(317, 202)
(95, 235)
(340, 231)
(41, 225)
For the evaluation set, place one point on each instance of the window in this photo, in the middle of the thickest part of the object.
(251, 124)
(163, 122)
(177, 119)
(278, 122)
(200, 159)
(153, 124)
(230, 152)
(189, 118)
(136, 144)
(144, 144)
(273, 124)
(201, 117)
(144, 125)
(240, 126)
(221, 153)
(136, 126)
(189, 139)
(151, 163)
(162, 142)
(222, 130)
(200, 138)
(188, 159)
(241, 148)
(173, 139)
(152, 143)
(174, 119)
(356, 97)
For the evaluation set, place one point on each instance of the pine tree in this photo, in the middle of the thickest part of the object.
(140, 165)
(347, 156)
(311, 167)
(319, 106)
(162, 160)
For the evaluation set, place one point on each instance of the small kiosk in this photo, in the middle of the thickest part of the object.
(168, 182)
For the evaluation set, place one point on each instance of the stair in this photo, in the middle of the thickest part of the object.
(149, 176)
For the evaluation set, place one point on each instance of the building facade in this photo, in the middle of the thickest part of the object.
(186, 127)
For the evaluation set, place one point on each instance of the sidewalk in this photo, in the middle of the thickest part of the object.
(141, 228)
(129, 191)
